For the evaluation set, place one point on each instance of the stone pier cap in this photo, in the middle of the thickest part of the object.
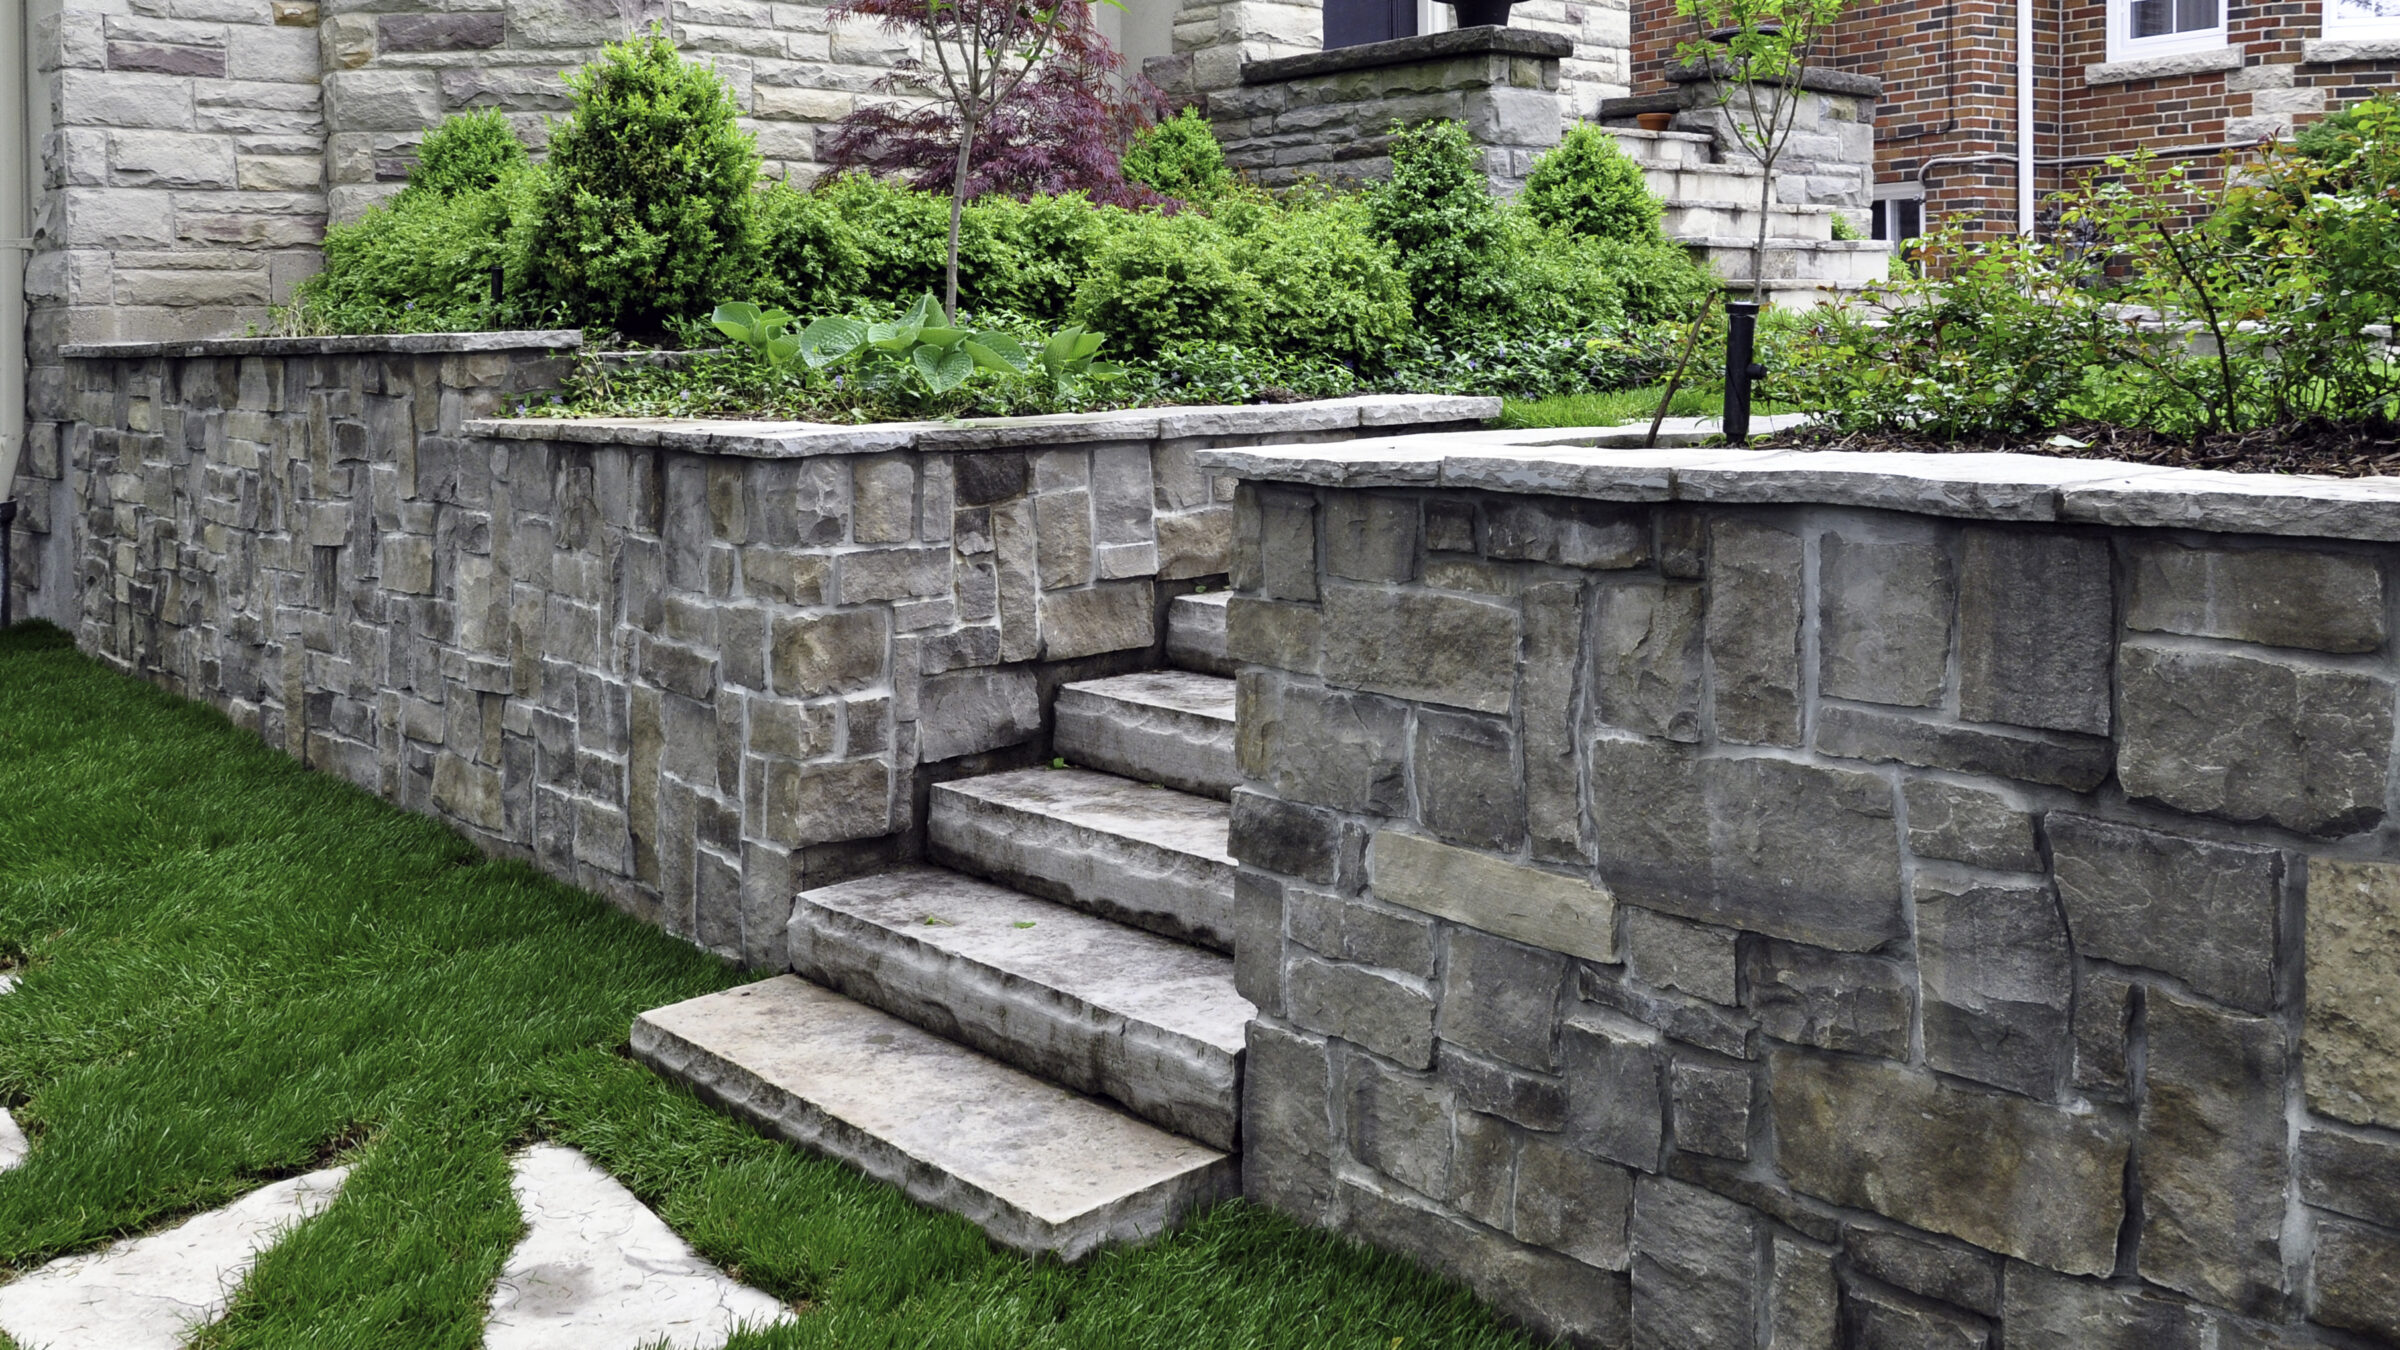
(1610, 464)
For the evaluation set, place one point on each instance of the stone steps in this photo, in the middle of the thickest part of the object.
(1172, 727)
(1041, 1168)
(1152, 1024)
(1151, 857)
(1196, 633)
(1665, 149)
(1687, 218)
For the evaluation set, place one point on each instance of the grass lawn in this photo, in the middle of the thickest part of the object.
(237, 970)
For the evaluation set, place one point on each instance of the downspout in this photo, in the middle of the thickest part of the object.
(2025, 116)
(16, 227)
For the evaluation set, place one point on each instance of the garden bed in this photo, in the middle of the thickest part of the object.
(2319, 447)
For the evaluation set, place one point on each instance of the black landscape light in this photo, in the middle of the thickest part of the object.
(1741, 340)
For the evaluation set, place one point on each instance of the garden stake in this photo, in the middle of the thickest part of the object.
(1691, 338)
(1741, 330)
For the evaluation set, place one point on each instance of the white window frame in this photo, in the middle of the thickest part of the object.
(2124, 46)
(2337, 29)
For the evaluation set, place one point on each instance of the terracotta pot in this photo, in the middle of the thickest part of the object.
(1481, 13)
(1654, 121)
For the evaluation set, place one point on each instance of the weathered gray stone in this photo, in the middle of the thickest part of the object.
(2310, 751)
(2043, 1311)
(883, 499)
(1399, 1125)
(1258, 918)
(2203, 911)
(1419, 645)
(1695, 1268)
(1969, 825)
(1755, 576)
(1898, 1141)
(1483, 1168)
(1152, 1023)
(1370, 536)
(1544, 909)
(1553, 751)
(819, 654)
(1999, 982)
(1960, 1275)
(1469, 789)
(1673, 954)
(2351, 1174)
(1803, 1301)
(1881, 1320)
(2352, 1043)
(1765, 845)
(1112, 617)
(1062, 532)
(1147, 856)
(1449, 525)
(1501, 998)
(1268, 633)
(2104, 1014)
(1726, 1031)
(2329, 602)
(1831, 1000)
(1389, 1014)
(823, 803)
(1567, 532)
(1280, 836)
(1162, 726)
(1196, 634)
(1647, 658)
(1572, 1202)
(2079, 763)
(2036, 622)
(892, 574)
(1288, 543)
(1554, 1295)
(967, 712)
(1287, 1122)
(1360, 930)
(1616, 1090)
(2357, 1269)
(949, 1126)
(1712, 1109)
(1883, 627)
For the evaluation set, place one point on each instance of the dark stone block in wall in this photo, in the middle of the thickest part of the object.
(1568, 532)
(1287, 637)
(1469, 791)
(1280, 836)
(2214, 1160)
(2045, 1311)
(1999, 982)
(1883, 627)
(2104, 1014)
(2203, 911)
(1501, 998)
(992, 477)
(1420, 645)
(1712, 1109)
(1831, 1000)
(2329, 602)
(1288, 1122)
(1960, 1275)
(1647, 658)
(2351, 1174)
(2357, 1268)
(1616, 1094)
(1574, 1203)
(1969, 825)
(1399, 1124)
(1727, 1031)
(1548, 688)
(1534, 1100)
(1370, 537)
(1755, 576)
(1359, 930)
(1388, 1014)
(2036, 627)
(441, 32)
(2080, 763)
(1288, 543)
(1875, 1318)
(1695, 1269)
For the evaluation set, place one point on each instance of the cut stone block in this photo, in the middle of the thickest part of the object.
(1039, 1168)
(1147, 856)
(1162, 726)
(1196, 633)
(148, 1293)
(14, 1148)
(1095, 1005)
(598, 1271)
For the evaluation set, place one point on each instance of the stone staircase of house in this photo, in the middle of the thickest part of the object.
(1039, 1029)
(1712, 209)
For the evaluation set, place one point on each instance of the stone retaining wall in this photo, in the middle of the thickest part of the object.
(693, 667)
(1731, 900)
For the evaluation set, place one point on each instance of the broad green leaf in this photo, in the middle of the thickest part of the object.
(943, 371)
(1087, 344)
(781, 351)
(944, 338)
(997, 352)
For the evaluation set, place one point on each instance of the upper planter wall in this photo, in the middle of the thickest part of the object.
(692, 666)
(1727, 899)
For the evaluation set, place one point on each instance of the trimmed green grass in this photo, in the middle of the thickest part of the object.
(237, 970)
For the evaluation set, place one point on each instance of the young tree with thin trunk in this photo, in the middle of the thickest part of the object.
(979, 54)
(1757, 53)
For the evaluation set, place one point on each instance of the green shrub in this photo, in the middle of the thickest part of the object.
(1437, 213)
(1158, 279)
(467, 152)
(809, 258)
(1327, 285)
(1588, 186)
(1179, 157)
(1028, 257)
(649, 212)
(423, 263)
(901, 233)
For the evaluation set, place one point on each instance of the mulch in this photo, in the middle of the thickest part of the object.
(2340, 450)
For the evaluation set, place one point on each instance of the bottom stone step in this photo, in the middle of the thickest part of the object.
(1041, 1169)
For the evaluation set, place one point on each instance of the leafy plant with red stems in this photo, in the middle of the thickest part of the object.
(1030, 99)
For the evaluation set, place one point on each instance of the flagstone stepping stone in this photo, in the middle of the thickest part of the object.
(598, 1271)
(149, 1293)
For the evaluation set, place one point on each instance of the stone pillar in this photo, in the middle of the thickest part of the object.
(1328, 115)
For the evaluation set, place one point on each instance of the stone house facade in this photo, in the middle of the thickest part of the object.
(2186, 79)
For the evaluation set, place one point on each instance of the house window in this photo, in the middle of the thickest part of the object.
(1897, 219)
(1352, 23)
(2139, 28)
(2362, 18)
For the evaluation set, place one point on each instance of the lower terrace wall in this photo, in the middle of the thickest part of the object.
(1736, 900)
(694, 667)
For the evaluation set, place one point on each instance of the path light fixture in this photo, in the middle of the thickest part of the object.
(1741, 340)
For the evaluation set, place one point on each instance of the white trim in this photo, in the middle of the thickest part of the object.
(2123, 46)
(2163, 67)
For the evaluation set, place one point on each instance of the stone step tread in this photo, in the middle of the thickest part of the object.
(1744, 243)
(1734, 204)
(1161, 817)
(1196, 632)
(1140, 976)
(1040, 1168)
(1172, 727)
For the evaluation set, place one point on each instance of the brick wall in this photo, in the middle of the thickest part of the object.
(1787, 918)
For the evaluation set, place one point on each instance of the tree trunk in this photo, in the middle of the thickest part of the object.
(958, 208)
